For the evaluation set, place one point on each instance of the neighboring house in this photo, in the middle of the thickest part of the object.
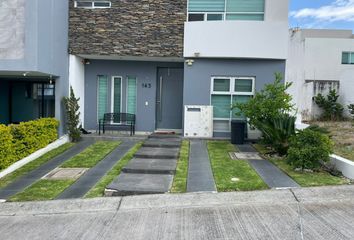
(320, 60)
(33, 59)
(153, 57)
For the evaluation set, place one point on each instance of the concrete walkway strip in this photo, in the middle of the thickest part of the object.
(33, 176)
(271, 175)
(200, 174)
(92, 176)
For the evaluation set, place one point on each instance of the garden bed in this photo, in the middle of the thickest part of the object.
(342, 133)
(304, 179)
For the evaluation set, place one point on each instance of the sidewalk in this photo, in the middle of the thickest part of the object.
(304, 213)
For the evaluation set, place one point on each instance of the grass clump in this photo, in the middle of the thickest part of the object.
(225, 169)
(91, 155)
(180, 180)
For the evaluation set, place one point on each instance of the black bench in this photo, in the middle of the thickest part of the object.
(117, 120)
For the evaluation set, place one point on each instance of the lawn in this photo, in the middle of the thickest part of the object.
(33, 165)
(91, 155)
(342, 133)
(42, 190)
(98, 189)
(304, 179)
(225, 169)
(180, 180)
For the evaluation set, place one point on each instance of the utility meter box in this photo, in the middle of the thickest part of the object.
(198, 121)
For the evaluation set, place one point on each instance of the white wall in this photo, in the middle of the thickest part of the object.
(317, 55)
(266, 39)
(77, 81)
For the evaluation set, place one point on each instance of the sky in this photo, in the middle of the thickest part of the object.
(331, 14)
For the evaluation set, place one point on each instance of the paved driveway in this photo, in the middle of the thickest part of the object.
(313, 213)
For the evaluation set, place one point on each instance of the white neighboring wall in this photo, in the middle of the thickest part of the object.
(77, 81)
(314, 65)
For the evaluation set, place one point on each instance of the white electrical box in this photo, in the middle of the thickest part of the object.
(198, 121)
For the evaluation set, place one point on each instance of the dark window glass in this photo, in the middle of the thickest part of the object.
(192, 17)
(215, 17)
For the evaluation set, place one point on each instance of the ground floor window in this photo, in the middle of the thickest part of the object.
(225, 91)
(116, 89)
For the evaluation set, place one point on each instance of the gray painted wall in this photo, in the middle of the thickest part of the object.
(197, 78)
(45, 45)
(4, 106)
(145, 72)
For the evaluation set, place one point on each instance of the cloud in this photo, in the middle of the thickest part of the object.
(338, 10)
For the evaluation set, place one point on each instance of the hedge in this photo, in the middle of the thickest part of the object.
(19, 141)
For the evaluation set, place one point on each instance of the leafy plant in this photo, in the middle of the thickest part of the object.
(332, 110)
(269, 112)
(319, 129)
(271, 102)
(277, 131)
(308, 149)
(351, 109)
(73, 116)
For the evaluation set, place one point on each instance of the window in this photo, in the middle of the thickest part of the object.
(131, 95)
(218, 10)
(348, 58)
(92, 4)
(225, 91)
(102, 96)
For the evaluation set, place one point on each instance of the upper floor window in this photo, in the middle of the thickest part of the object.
(218, 10)
(348, 58)
(92, 4)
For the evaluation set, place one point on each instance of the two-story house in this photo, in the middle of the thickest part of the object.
(33, 59)
(153, 57)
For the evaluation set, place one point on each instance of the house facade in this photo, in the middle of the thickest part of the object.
(34, 61)
(320, 60)
(152, 58)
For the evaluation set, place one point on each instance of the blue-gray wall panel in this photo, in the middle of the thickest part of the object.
(197, 78)
(145, 72)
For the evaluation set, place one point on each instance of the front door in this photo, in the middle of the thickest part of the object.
(169, 98)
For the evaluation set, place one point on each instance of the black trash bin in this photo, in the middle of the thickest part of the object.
(238, 129)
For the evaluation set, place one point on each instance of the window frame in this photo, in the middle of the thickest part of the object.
(231, 94)
(93, 4)
(98, 95)
(225, 13)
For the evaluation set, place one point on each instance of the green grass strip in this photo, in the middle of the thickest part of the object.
(180, 180)
(98, 189)
(42, 190)
(304, 179)
(10, 178)
(91, 155)
(224, 169)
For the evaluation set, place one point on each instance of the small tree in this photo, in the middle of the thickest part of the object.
(73, 116)
(271, 102)
(332, 110)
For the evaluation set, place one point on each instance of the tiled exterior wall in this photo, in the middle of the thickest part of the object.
(12, 29)
(149, 28)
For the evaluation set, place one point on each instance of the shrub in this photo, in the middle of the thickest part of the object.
(308, 149)
(319, 129)
(72, 116)
(19, 141)
(269, 111)
(332, 110)
(7, 153)
(351, 110)
(277, 131)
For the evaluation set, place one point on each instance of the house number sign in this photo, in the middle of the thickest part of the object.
(146, 85)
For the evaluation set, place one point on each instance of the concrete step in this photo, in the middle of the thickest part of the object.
(162, 143)
(164, 136)
(151, 166)
(137, 184)
(157, 153)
